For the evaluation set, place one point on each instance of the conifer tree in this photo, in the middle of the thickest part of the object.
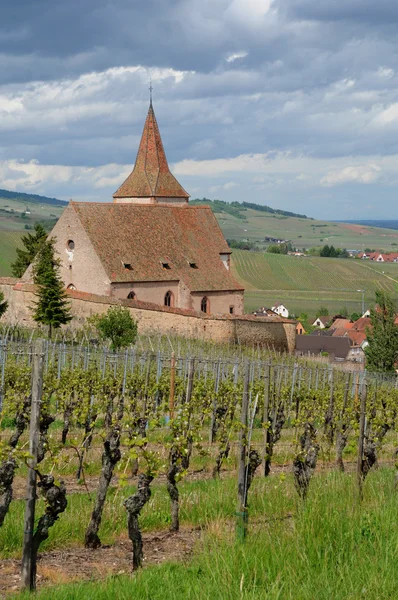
(382, 352)
(3, 304)
(52, 307)
(25, 256)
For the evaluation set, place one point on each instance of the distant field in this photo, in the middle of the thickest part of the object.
(306, 283)
(305, 233)
(9, 240)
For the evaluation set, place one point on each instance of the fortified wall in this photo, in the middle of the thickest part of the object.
(273, 332)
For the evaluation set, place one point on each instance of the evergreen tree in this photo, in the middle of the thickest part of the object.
(52, 307)
(32, 243)
(3, 304)
(382, 352)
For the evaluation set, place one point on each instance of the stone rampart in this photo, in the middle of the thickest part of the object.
(274, 332)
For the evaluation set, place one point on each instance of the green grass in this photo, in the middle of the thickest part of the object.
(330, 548)
(305, 283)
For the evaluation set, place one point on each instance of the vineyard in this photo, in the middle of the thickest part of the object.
(305, 283)
(9, 241)
(154, 441)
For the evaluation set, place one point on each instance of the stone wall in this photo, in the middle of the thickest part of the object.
(273, 332)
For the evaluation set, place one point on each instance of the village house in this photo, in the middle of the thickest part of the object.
(265, 312)
(149, 244)
(322, 322)
(280, 310)
(300, 329)
(392, 257)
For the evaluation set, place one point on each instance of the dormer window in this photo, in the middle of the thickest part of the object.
(128, 266)
(166, 265)
(225, 259)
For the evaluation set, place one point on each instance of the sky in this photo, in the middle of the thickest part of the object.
(289, 103)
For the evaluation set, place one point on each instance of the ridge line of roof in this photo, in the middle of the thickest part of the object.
(184, 205)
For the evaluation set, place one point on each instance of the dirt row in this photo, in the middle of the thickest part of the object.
(81, 564)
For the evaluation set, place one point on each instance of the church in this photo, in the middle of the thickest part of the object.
(149, 244)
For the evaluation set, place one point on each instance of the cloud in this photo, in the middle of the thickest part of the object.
(291, 100)
(362, 174)
(235, 56)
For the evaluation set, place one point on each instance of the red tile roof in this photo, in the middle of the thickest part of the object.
(342, 324)
(151, 175)
(147, 235)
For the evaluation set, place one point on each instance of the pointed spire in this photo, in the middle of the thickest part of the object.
(151, 175)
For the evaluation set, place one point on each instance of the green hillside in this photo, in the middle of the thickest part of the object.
(9, 240)
(18, 214)
(306, 283)
(306, 233)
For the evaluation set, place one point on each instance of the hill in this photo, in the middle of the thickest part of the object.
(303, 232)
(238, 209)
(306, 283)
(18, 213)
(30, 198)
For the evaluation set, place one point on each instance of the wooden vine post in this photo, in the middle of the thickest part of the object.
(266, 417)
(362, 423)
(28, 570)
(172, 385)
(241, 512)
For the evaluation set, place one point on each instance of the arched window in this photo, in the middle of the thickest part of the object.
(131, 296)
(169, 299)
(205, 305)
(71, 287)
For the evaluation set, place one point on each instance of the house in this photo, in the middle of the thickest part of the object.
(300, 329)
(322, 322)
(392, 257)
(342, 324)
(280, 310)
(149, 244)
(265, 312)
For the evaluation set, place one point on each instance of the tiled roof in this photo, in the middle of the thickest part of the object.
(151, 174)
(307, 344)
(341, 324)
(361, 324)
(146, 236)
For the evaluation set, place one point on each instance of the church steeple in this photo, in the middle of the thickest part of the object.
(151, 180)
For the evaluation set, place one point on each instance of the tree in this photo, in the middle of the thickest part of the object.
(382, 351)
(322, 312)
(116, 325)
(52, 307)
(32, 243)
(3, 304)
(355, 316)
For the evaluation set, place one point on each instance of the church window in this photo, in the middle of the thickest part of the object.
(131, 296)
(231, 310)
(128, 266)
(166, 265)
(193, 265)
(70, 245)
(169, 299)
(71, 287)
(205, 305)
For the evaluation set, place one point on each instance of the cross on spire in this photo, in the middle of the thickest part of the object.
(150, 92)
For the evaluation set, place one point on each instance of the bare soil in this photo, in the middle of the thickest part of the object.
(81, 564)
